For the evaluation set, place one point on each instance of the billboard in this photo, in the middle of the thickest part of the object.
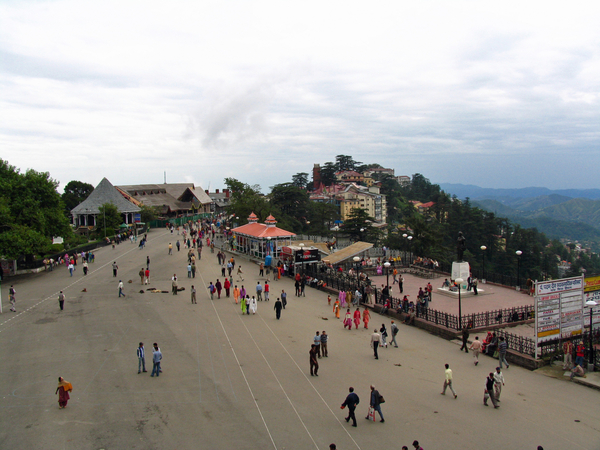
(592, 292)
(559, 308)
(307, 256)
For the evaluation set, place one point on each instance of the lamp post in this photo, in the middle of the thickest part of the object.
(387, 278)
(301, 245)
(483, 249)
(591, 304)
(336, 229)
(404, 236)
(410, 249)
(518, 253)
(356, 260)
(459, 281)
(361, 233)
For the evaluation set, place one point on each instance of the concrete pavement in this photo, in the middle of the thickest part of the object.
(234, 381)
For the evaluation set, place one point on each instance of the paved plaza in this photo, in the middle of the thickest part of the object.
(242, 382)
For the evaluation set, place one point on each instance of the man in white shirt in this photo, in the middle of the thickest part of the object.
(498, 382)
(448, 381)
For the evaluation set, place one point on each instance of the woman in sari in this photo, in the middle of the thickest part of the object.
(236, 294)
(336, 308)
(63, 389)
(366, 317)
(357, 318)
(243, 305)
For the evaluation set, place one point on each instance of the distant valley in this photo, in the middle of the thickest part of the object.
(568, 214)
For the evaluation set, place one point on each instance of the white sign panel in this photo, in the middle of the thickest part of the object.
(461, 270)
(566, 284)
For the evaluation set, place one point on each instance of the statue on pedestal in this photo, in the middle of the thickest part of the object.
(461, 246)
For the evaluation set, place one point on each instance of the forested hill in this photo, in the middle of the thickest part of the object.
(476, 193)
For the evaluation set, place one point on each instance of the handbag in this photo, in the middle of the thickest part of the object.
(496, 354)
(381, 399)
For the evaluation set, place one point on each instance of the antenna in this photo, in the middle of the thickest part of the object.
(165, 177)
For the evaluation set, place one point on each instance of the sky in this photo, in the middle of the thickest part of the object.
(495, 94)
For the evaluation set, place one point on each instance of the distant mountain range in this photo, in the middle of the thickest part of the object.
(566, 214)
(475, 192)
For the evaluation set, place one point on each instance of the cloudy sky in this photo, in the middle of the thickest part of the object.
(497, 94)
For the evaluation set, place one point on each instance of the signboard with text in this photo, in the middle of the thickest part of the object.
(592, 292)
(559, 308)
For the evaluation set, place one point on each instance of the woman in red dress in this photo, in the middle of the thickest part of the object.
(63, 389)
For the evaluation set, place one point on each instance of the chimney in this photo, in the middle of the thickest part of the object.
(206, 190)
(226, 192)
(216, 191)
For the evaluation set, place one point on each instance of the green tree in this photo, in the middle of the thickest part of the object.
(300, 180)
(75, 193)
(31, 212)
(149, 213)
(328, 171)
(109, 219)
(359, 226)
(345, 162)
(246, 199)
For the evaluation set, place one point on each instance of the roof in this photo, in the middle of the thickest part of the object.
(105, 192)
(260, 230)
(174, 196)
(348, 252)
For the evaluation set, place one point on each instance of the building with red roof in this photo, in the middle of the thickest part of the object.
(261, 239)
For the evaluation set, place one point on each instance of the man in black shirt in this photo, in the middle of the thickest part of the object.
(351, 401)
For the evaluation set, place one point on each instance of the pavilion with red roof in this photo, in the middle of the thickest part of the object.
(261, 239)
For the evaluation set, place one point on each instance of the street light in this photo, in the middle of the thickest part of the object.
(591, 304)
(459, 281)
(387, 277)
(361, 233)
(410, 249)
(404, 236)
(519, 253)
(301, 245)
(483, 249)
(357, 265)
(336, 229)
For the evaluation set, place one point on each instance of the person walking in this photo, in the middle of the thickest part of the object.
(71, 268)
(366, 317)
(267, 289)
(218, 287)
(141, 274)
(141, 354)
(317, 342)
(394, 328)
(156, 359)
(227, 287)
(278, 307)
(384, 334)
(178, 244)
(502, 349)
(243, 305)
(147, 263)
(568, 352)
(115, 269)
(253, 305)
(489, 391)
(236, 294)
(240, 274)
(85, 267)
(61, 300)
(63, 389)
(147, 276)
(283, 298)
(401, 283)
(498, 382)
(259, 290)
(121, 293)
(375, 339)
(448, 381)
(314, 364)
(465, 337)
(356, 318)
(324, 340)
(376, 402)
(170, 249)
(351, 402)
(336, 308)
(476, 347)
(193, 291)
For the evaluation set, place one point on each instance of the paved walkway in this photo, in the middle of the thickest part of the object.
(236, 381)
(493, 297)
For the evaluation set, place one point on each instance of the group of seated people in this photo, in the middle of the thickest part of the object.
(428, 263)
